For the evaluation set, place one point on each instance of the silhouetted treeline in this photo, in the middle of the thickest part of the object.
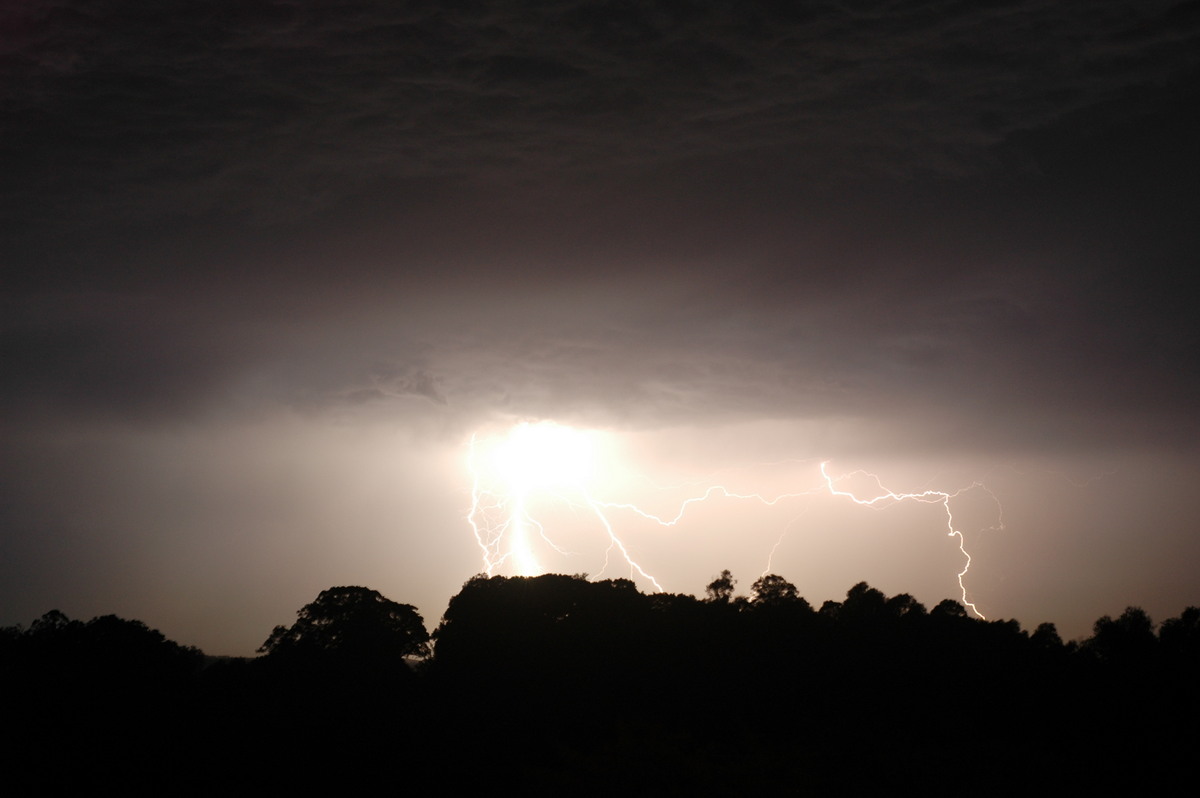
(555, 684)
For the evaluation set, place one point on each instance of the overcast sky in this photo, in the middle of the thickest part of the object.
(269, 265)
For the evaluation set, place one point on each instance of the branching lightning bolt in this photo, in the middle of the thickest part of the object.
(503, 524)
(501, 521)
(927, 497)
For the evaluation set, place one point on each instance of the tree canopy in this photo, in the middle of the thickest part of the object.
(352, 622)
(518, 657)
(771, 590)
(720, 590)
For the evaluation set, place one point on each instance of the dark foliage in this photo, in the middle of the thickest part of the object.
(720, 590)
(351, 623)
(566, 685)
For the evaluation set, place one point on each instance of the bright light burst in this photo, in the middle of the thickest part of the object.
(532, 464)
(539, 469)
(544, 456)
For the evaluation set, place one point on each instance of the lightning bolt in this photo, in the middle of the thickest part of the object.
(504, 525)
(925, 497)
(501, 521)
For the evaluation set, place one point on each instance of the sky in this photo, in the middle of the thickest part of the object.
(269, 269)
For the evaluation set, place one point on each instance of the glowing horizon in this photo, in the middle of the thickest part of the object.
(523, 481)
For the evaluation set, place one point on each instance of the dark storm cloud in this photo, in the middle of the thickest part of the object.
(110, 354)
(279, 109)
(644, 209)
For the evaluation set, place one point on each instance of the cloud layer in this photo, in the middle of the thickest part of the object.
(903, 230)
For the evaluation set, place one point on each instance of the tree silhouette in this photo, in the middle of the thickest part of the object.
(1046, 638)
(529, 623)
(772, 590)
(1127, 640)
(949, 608)
(904, 605)
(352, 622)
(720, 590)
(863, 604)
(517, 657)
(1180, 637)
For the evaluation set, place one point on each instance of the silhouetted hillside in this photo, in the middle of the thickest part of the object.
(556, 684)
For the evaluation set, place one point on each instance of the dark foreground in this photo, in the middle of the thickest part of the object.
(554, 685)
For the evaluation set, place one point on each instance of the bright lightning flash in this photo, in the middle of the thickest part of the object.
(536, 464)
